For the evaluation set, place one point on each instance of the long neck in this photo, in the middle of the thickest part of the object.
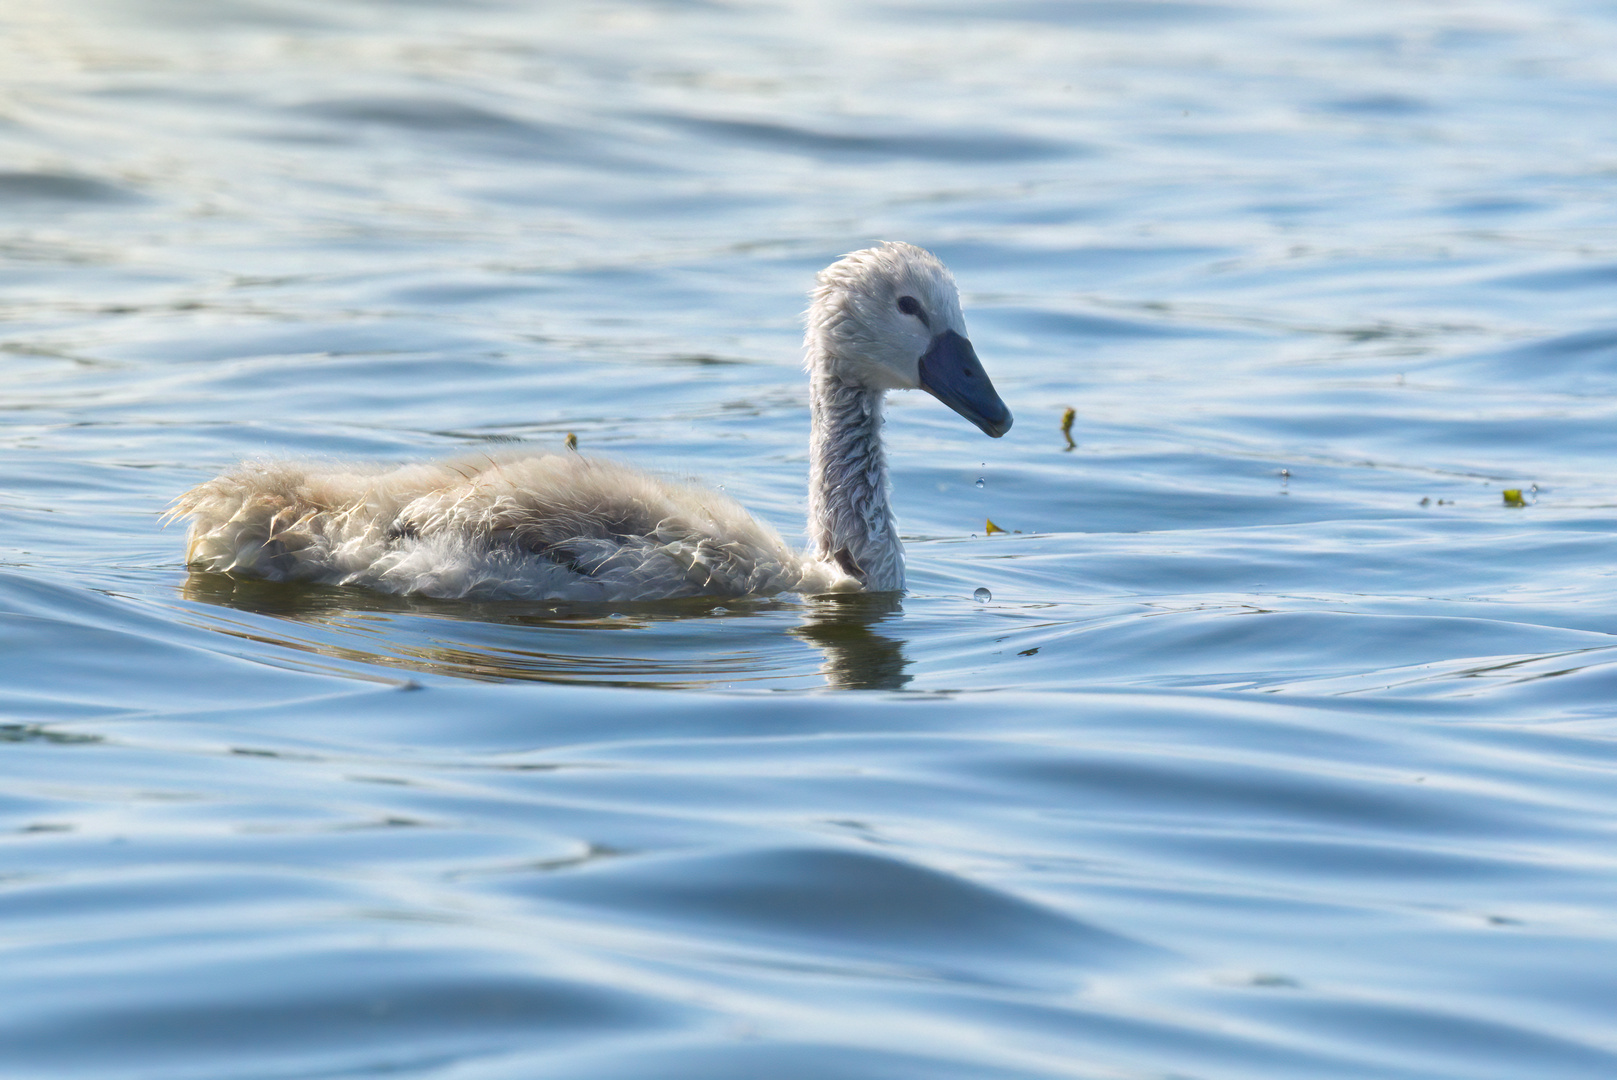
(849, 520)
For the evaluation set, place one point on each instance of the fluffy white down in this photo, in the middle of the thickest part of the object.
(504, 526)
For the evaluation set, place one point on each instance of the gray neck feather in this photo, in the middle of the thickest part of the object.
(849, 519)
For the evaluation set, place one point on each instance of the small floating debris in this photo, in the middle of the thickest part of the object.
(992, 528)
(982, 596)
(1513, 497)
(1067, 417)
(571, 442)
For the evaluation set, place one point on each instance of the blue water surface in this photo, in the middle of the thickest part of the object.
(1282, 745)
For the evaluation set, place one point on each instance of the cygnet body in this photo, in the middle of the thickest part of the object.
(521, 525)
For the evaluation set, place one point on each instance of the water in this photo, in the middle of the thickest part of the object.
(1277, 745)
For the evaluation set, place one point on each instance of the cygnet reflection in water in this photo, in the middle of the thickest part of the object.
(678, 644)
(560, 526)
(856, 656)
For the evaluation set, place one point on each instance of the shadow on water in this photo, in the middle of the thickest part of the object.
(676, 644)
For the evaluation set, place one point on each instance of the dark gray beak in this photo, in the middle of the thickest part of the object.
(951, 372)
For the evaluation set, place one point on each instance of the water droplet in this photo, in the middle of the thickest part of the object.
(981, 482)
(982, 596)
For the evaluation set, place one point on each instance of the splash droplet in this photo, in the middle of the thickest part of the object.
(982, 596)
(981, 482)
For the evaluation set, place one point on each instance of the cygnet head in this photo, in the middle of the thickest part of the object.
(888, 318)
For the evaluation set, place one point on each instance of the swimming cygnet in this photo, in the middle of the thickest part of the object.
(539, 525)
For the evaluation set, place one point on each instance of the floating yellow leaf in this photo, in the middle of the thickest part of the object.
(1513, 497)
(992, 528)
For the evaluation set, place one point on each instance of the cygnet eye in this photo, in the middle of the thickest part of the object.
(911, 306)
